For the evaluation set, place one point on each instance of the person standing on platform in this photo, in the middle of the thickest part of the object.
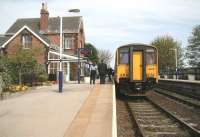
(110, 74)
(102, 68)
(93, 72)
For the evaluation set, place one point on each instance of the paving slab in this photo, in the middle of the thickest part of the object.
(95, 116)
(43, 113)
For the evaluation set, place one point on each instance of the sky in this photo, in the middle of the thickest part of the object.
(111, 23)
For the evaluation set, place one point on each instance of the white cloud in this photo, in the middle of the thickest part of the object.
(109, 23)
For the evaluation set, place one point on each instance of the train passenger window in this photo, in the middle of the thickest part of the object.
(150, 56)
(124, 56)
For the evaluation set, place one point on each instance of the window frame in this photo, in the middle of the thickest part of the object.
(68, 43)
(26, 41)
(53, 66)
(154, 57)
(123, 51)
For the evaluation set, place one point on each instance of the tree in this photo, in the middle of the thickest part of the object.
(93, 56)
(193, 48)
(5, 78)
(105, 55)
(21, 63)
(40, 72)
(166, 54)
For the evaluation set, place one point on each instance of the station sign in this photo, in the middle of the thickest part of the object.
(85, 52)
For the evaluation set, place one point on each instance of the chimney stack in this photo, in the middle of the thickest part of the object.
(44, 18)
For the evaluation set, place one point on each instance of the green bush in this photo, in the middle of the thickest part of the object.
(42, 77)
(41, 74)
(5, 78)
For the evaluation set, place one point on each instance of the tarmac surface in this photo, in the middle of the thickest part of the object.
(82, 110)
(43, 113)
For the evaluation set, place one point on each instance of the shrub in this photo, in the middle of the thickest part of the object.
(5, 78)
(40, 73)
(42, 77)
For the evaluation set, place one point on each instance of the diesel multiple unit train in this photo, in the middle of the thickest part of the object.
(136, 68)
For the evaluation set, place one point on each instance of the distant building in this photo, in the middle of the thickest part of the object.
(43, 36)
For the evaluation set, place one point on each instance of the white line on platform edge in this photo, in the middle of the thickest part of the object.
(114, 120)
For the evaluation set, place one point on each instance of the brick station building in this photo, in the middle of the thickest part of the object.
(42, 35)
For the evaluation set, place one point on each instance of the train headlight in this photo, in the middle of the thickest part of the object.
(123, 75)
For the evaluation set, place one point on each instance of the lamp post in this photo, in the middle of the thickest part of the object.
(176, 59)
(61, 48)
(60, 63)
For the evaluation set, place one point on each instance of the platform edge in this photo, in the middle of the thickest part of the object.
(114, 119)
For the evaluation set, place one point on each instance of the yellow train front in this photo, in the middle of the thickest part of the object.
(136, 68)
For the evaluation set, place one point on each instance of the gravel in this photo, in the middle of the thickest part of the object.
(124, 124)
(187, 114)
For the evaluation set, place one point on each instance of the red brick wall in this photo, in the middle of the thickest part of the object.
(54, 38)
(37, 46)
(44, 17)
(79, 38)
(40, 47)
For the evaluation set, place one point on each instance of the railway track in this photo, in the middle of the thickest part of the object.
(178, 97)
(154, 122)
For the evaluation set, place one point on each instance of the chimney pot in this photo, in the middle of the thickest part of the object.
(44, 17)
(42, 5)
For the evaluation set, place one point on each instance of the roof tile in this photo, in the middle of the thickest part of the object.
(70, 25)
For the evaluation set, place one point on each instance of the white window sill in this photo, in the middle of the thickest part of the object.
(26, 48)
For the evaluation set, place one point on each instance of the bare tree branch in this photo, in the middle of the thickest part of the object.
(105, 55)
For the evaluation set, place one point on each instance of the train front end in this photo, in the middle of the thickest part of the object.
(136, 68)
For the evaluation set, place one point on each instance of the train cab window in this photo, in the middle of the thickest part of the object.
(150, 56)
(124, 56)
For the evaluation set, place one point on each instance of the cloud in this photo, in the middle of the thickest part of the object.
(111, 23)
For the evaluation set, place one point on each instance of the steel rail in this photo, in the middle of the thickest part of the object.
(157, 90)
(141, 131)
(193, 131)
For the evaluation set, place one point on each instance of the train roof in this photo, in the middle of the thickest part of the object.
(136, 44)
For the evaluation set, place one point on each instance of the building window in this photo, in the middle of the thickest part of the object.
(68, 43)
(64, 67)
(53, 68)
(26, 41)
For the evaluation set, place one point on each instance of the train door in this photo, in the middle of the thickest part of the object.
(137, 67)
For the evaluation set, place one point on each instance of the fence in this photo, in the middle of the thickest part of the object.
(184, 74)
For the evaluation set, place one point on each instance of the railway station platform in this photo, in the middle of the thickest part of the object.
(82, 110)
(95, 116)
